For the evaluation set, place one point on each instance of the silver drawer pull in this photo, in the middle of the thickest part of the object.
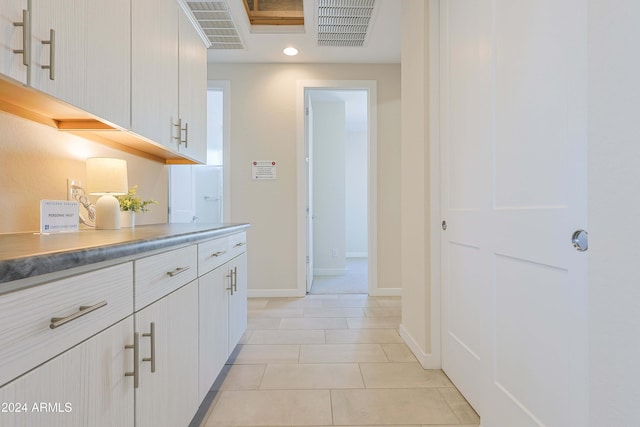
(240, 244)
(85, 309)
(219, 253)
(178, 271)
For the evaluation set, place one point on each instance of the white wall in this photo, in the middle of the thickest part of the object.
(418, 312)
(329, 139)
(356, 194)
(36, 160)
(614, 212)
(263, 127)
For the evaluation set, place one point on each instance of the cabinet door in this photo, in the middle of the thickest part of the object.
(65, 55)
(193, 92)
(14, 38)
(108, 67)
(238, 301)
(84, 386)
(214, 326)
(154, 71)
(168, 396)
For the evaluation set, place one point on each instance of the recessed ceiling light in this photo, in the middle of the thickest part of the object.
(290, 51)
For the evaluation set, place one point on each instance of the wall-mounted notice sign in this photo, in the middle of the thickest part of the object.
(263, 169)
(57, 216)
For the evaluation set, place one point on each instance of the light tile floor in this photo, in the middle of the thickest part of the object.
(329, 360)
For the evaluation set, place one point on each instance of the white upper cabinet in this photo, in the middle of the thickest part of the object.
(58, 49)
(154, 71)
(80, 55)
(108, 66)
(138, 66)
(193, 92)
(169, 88)
(15, 36)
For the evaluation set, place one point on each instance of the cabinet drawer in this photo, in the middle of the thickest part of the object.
(38, 323)
(212, 254)
(237, 244)
(159, 275)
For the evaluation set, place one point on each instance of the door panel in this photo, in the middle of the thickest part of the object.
(514, 149)
(466, 133)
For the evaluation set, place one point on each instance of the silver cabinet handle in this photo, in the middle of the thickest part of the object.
(152, 335)
(26, 30)
(186, 135)
(240, 244)
(84, 310)
(230, 275)
(234, 279)
(179, 126)
(136, 354)
(52, 54)
(178, 271)
(219, 253)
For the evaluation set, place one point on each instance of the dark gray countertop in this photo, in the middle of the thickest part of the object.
(24, 255)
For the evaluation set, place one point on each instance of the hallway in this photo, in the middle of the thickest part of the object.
(354, 281)
(330, 360)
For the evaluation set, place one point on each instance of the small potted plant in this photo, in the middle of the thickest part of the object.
(130, 205)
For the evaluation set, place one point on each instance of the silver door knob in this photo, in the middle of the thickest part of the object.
(580, 240)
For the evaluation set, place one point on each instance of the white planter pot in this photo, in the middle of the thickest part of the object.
(127, 219)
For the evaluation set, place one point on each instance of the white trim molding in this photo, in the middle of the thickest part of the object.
(371, 87)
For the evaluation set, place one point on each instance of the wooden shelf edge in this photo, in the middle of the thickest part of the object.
(30, 104)
(84, 124)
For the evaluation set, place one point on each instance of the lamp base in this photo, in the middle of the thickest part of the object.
(108, 213)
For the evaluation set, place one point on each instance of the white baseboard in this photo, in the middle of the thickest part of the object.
(274, 293)
(427, 360)
(329, 271)
(357, 255)
(386, 292)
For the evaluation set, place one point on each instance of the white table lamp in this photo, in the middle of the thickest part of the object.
(108, 178)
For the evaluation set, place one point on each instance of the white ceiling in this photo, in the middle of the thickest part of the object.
(382, 45)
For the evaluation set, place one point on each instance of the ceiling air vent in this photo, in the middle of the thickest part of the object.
(344, 22)
(217, 23)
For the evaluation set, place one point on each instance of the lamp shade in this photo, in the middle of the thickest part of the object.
(106, 176)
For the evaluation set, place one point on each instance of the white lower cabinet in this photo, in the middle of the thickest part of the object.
(214, 329)
(238, 300)
(135, 344)
(167, 394)
(84, 386)
(223, 317)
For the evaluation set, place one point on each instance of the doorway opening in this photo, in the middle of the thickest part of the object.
(339, 187)
(200, 193)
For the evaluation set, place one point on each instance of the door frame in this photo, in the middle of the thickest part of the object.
(225, 87)
(301, 263)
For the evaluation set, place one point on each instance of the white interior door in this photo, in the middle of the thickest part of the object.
(513, 111)
(309, 185)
